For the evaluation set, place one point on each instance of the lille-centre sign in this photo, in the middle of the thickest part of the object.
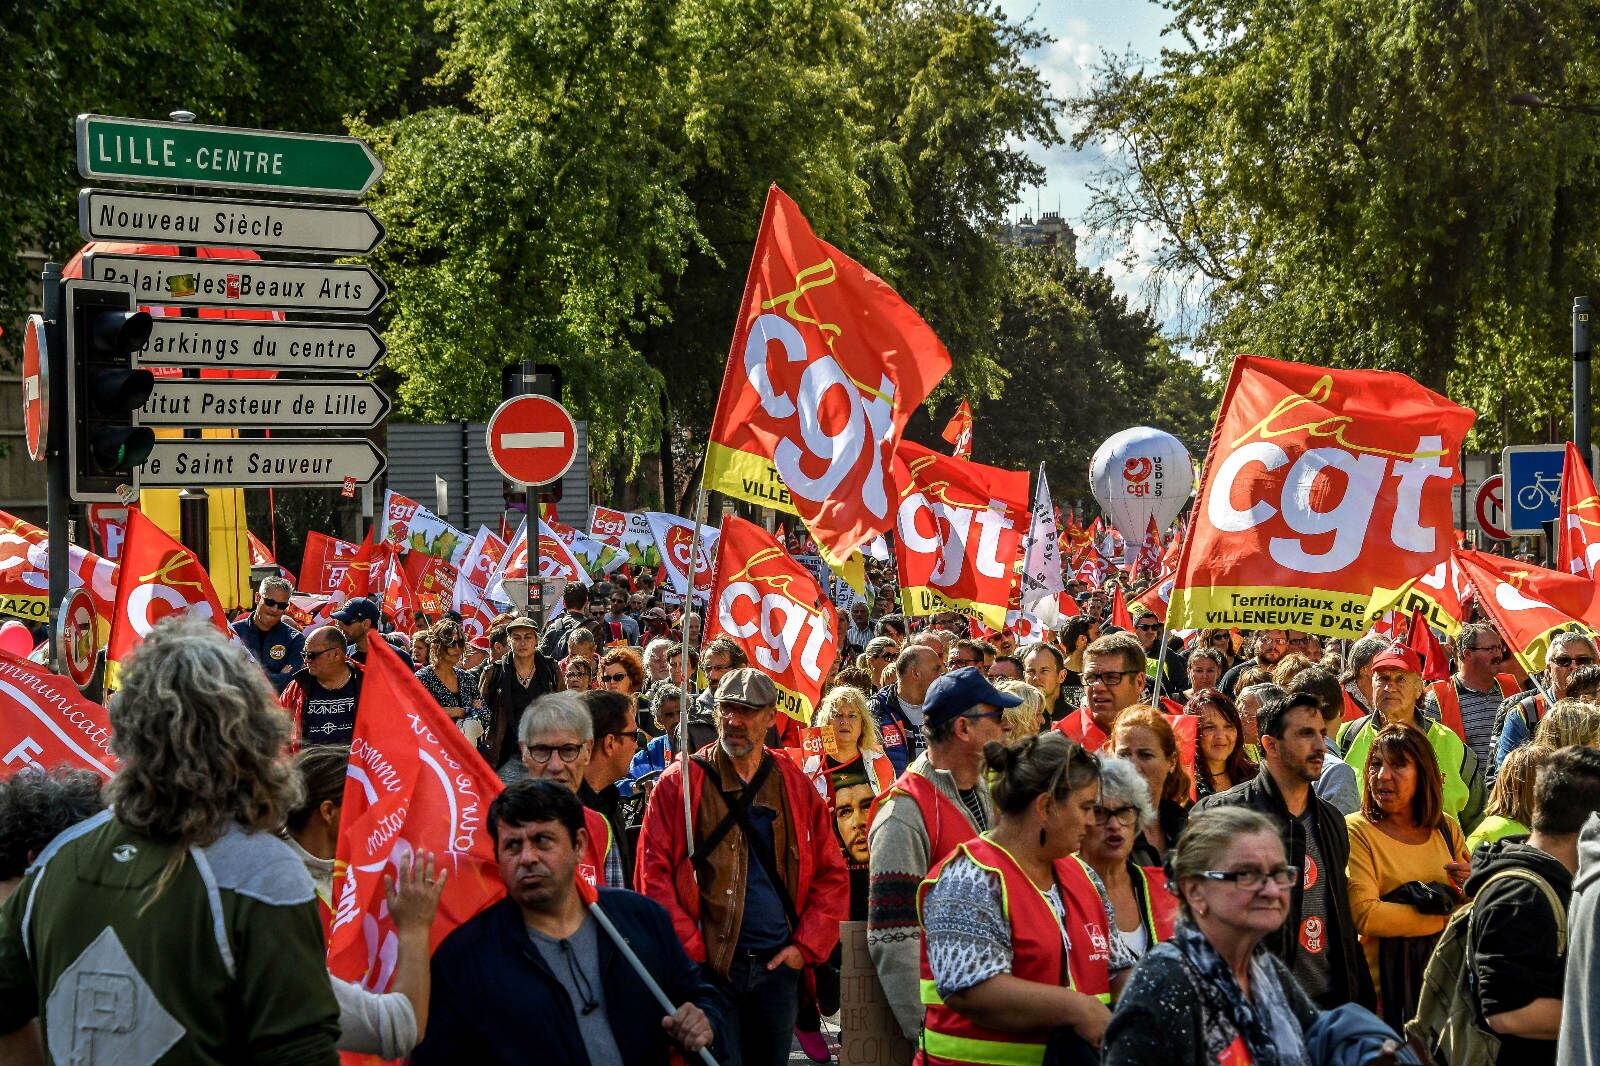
(132, 149)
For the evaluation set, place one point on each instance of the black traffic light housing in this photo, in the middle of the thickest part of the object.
(105, 444)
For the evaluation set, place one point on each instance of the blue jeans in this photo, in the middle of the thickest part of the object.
(761, 1010)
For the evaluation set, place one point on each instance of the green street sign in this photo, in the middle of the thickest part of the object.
(182, 153)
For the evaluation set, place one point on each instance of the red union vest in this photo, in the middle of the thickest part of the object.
(949, 1038)
(1449, 701)
(948, 823)
(1160, 905)
(592, 863)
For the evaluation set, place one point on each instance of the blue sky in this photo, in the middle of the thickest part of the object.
(1083, 31)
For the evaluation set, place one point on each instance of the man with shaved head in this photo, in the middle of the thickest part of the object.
(322, 695)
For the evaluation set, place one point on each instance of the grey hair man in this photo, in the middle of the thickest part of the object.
(1568, 653)
(557, 739)
(268, 636)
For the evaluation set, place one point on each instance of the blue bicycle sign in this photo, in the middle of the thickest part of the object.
(1533, 485)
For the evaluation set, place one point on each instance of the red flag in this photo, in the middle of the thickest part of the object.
(44, 722)
(1321, 489)
(359, 573)
(1153, 598)
(1578, 538)
(827, 364)
(325, 563)
(959, 532)
(1120, 616)
(1149, 556)
(476, 617)
(414, 784)
(1441, 594)
(399, 600)
(432, 579)
(159, 577)
(775, 610)
(1529, 604)
(25, 573)
(483, 559)
(958, 432)
(1420, 639)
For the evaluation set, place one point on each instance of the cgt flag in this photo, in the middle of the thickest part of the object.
(775, 610)
(1321, 489)
(25, 574)
(959, 532)
(827, 364)
(414, 783)
(958, 432)
(159, 577)
(45, 723)
(1529, 604)
(675, 539)
(1578, 537)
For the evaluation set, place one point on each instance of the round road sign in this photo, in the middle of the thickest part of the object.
(75, 630)
(35, 387)
(1490, 506)
(532, 440)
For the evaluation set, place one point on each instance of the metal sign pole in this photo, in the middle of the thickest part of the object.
(57, 500)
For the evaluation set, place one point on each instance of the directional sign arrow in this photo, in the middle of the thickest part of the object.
(134, 149)
(221, 342)
(169, 279)
(110, 215)
(242, 463)
(290, 404)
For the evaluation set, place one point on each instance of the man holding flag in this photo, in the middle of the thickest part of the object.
(534, 976)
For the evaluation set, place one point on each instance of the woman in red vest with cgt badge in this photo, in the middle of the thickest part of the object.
(1017, 952)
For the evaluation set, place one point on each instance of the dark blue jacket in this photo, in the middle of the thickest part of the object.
(495, 1001)
(278, 650)
(901, 740)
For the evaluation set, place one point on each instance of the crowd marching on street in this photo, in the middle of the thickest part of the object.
(1283, 776)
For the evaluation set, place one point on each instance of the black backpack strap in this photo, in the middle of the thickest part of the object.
(739, 814)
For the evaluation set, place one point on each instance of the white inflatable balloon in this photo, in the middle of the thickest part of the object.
(1139, 474)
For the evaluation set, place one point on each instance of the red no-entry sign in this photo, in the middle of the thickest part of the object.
(35, 387)
(1490, 506)
(532, 440)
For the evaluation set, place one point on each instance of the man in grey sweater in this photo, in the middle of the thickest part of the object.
(1579, 1043)
(939, 802)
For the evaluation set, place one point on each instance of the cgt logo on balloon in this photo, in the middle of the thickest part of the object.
(775, 610)
(1323, 487)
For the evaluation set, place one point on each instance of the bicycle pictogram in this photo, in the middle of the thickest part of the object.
(1545, 490)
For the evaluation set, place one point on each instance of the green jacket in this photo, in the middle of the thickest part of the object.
(224, 965)
(1463, 778)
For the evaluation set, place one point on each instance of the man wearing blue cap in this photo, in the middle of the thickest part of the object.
(358, 620)
(939, 802)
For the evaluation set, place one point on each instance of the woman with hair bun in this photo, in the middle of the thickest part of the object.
(1016, 945)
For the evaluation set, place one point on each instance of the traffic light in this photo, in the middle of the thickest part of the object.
(105, 445)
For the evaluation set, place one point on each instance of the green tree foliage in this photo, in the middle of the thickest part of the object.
(1352, 182)
(301, 66)
(1081, 365)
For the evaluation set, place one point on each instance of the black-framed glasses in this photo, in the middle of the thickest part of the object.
(1252, 879)
(957, 663)
(1108, 678)
(541, 753)
(1122, 815)
(310, 655)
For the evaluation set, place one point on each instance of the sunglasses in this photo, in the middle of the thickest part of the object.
(1567, 660)
(613, 678)
(276, 605)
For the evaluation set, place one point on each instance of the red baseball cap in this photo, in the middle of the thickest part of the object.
(1398, 656)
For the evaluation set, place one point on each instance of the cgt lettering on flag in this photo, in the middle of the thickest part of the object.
(776, 611)
(1322, 487)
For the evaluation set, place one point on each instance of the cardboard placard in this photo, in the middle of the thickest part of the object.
(868, 1032)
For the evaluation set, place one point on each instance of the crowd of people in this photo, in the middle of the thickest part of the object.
(1121, 845)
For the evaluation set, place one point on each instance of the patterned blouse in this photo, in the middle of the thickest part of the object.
(467, 697)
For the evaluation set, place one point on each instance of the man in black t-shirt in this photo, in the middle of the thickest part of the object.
(323, 694)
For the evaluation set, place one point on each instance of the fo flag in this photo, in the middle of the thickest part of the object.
(958, 432)
(826, 366)
(1578, 539)
(1041, 570)
(775, 610)
(675, 539)
(1322, 488)
(414, 784)
(159, 577)
(325, 563)
(1529, 605)
(959, 532)
(45, 723)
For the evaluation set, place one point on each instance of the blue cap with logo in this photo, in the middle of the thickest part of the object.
(958, 692)
(357, 610)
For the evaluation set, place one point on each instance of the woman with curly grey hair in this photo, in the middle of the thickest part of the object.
(181, 895)
(1143, 906)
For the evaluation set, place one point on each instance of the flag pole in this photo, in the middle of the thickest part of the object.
(1027, 544)
(627, 953)
(688, 700)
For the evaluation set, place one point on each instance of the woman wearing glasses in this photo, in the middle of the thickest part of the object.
(622, 671)
(1144, 908)
(1214, 993)
(856, 740)
(1016, 953)
(455, 689)
(1408, 861)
